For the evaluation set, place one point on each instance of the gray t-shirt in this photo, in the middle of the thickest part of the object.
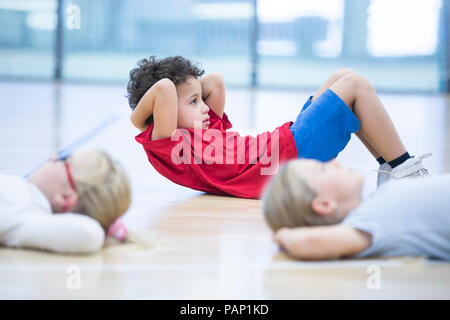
(408, 217)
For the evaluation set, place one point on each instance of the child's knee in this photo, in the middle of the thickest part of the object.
(357, 82)
(340, 73)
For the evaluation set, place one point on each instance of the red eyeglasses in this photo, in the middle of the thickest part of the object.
(65, 208)
(69, 174)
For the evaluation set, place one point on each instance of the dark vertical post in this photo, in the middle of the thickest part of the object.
(112, 38)
(58, 76)
(254, 56)
(446, 5)
(57, 116)
(59, 41)
(254, 36)
(444, 48)
(354, 34)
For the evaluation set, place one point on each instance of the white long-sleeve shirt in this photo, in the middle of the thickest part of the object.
(27, 220)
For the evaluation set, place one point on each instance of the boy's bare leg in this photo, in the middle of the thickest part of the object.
(376, 125)
(367, 144)
(330, 81)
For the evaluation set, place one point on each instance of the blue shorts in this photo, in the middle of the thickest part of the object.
(323, 127)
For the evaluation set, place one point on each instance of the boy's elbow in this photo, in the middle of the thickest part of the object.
(302, 249)
(92, 240)
(213, 80)
(218, 79)
(310, 248)
(217, 76)
(136, 123)
(132, 119)
(164, 85)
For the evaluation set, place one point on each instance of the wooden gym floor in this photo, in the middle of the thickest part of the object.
(200, 246)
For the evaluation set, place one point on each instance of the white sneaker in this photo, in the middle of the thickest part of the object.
(383, 173)
(412, 167)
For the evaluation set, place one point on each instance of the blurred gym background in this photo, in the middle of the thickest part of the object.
(64, 68)
(400, 45)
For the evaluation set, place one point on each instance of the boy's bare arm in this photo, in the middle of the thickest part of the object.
(160, 101)
(213, 92)
(322, 242)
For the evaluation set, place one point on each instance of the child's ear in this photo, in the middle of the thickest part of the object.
(66, 200)
(323, 205)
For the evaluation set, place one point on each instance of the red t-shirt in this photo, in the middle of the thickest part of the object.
(218, 161)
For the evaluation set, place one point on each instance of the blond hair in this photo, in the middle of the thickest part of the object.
(103, 188)
(287, 200)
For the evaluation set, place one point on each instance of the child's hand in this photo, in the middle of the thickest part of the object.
(117, 230)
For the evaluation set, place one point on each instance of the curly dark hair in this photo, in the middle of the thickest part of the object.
(151, 70)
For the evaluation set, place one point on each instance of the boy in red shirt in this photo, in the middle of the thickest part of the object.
(185, 130)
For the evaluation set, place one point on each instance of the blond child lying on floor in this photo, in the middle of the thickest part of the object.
(39, 213)
(317, 213)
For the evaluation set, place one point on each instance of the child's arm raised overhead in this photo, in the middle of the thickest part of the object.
(213, 92)
(160, 101)
(322, 242)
